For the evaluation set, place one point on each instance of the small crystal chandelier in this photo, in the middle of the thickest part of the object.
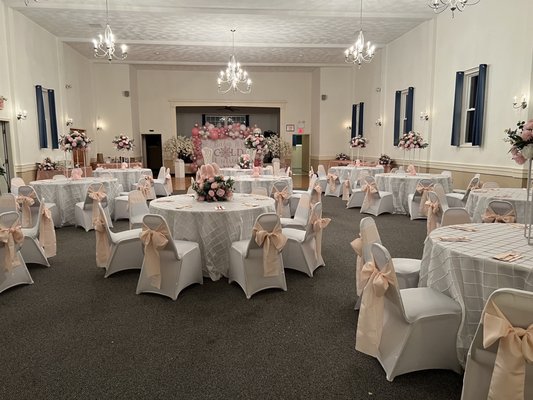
(104, 47)
(440, 5)
(28, 1)
(234, 77)
(357, 53)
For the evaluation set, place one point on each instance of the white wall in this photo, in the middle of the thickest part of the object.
(5, 83)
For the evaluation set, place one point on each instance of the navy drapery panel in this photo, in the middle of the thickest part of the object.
(361, 113)
(477, 133)
(409, 109)
(353, 133)
(397, 111)
(53, 119)
(457, 108)
(41, 120)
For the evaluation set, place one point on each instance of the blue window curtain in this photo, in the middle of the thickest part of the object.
(409, 109)
(203, 120)
(353, 132)
(41, 120)
(360, 122)
(457, 107)
(53, 119)
(477, 134)
(397, 112)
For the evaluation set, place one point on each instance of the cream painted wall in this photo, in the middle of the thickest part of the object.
(315, 115)
(5, 83)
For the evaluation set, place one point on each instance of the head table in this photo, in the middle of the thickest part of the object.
(245, 184)
(127, 177)
(212, 228)
(478, 200)
(467, 272)
(67, 192)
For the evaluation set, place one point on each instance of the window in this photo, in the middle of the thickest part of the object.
(469, 107)
(403, 112)
(222, 120)
(357, 119)
(46, 118)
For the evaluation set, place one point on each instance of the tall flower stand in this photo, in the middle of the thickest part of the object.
(258, 160)
(527, 152)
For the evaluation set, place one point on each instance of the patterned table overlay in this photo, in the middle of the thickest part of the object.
(402, 185)
(214, 230)
(66, 193)
(352, 172)
(479, 199)
(466, 271)
(245, 184)
(126, 177)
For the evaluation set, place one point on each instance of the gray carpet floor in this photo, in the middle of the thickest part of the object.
(75, 335)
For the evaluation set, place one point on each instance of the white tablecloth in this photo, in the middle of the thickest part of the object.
(479, 199)
(402, 185)
(466, 271)
(66, 193)
(245, 184)
(352, 172)
(214, 230)
(126, 177)
(239, 171)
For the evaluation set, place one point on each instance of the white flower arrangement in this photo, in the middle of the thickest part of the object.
(180, 147)
(123, 143)
(278, 147)
(75, 140)
(256, 141)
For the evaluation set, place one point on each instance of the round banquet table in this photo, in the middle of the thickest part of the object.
(240, 171)
(402, 185)
(478, 200)
(351, 172)
(214, 230)
(245, 184)
(127, 177)
(467, 272)
(67, 192)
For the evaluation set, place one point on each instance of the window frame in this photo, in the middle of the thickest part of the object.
(469, 96)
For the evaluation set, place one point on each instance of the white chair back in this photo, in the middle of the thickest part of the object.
(427, 183)
(312, 183)
(148, 183)
(501, 207)
(369, 235)
(490, 185)
(321, 171)
(473, 184)
(94, 187)
(439, 190)
(8, 202)
(156, 222)
(16, 182)
(268, 221)
(162, 174)
(455, 216)
(137, 204)
(207, 154)
(303, 208)
(314, 214)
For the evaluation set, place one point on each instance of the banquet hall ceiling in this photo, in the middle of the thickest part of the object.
(269, 32)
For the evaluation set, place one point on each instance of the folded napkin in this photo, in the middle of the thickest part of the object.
(180, 206)
(508, 256)
(453, 239)
(164, 201)
(463, 228)
(251, 204)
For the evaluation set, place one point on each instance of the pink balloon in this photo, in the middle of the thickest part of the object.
(195, 131)
(213, 135)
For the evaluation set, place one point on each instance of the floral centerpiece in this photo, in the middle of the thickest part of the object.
(47, 165)
(256, 141)
(245, 161)
(211, 187)
(75, 140)
(278, 147)
(358, 141)
(123, 143)
(385, 160)
(521, 139)
(412, 140)
(180, 147)
(342, 157)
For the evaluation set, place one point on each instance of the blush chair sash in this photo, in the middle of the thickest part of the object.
(423, 191)
(97, 196)
(515, 348)
(11, 236)
(47, 233)
(357, 246)
(370, 189)
(318, 226)
(272, 244)
(153, 241)
(281, 197)
(411, 169)
(102, 242)
(346, 190)
(491, 216)
(332, 182)
(25, 202)
(433, 209)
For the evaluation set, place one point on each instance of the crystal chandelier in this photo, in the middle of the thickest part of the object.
(440, 5)
(234, 77)
(28, 1)
(104, 47)
(357, 53)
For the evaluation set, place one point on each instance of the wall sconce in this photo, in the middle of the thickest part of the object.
(378, 122)
(70, 121)
(348, 127)
(522, 104)
(22, 114)
(424, 116)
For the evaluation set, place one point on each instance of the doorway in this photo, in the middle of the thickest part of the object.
(152, 152)
(300, 154)
(5, 157)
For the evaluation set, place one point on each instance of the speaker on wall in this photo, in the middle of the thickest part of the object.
(126, 93)
(324, 97)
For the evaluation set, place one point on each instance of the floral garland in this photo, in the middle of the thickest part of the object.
(214, 188)
(47, 165)
(123, 142)
(412, 140)
(256, 141)
(385, 160)
(358, 141)
(519, 138)
(245, 161)
(342, 157)
(75, 140)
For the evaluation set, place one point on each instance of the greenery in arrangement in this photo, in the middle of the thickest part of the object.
(180, 147)
(214, 188)
(385, 160)
(278, 147)
(342, 157)
(519, 138)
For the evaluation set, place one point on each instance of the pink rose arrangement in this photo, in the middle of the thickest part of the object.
(520, 137)
(412, 140)
(47, 165)
(256, 141)
(212, 187)
(123, 142)
(74, 140)
(245, 161)
(358, 141)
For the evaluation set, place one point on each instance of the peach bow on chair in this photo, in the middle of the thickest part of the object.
(423, 191)
(97, 196)
(25, 202)
(256, 172)
(47, 233)
(515, 348)
(272, 244)
(490, 216)
(411, 169)
(124, 165)
(346, 190)
(318, 226)
(316, 195)
(332, 182)
(433, 210)
(281, 196)
(370, 189)
(370, 324)
(357, 246)
(311, 172)
(146, 189)
(216, 168)
(153, 241)
(168, 182)
(102, 242)
(10, 237)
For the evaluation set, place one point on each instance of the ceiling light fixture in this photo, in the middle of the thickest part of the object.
(357, 53)
(234, 77)
(440, 5)
(104, 47)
